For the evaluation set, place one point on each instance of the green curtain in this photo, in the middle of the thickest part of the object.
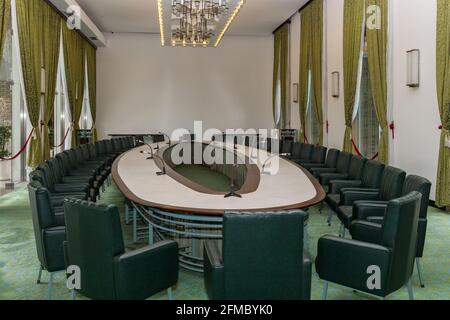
(91, 54)
(74, 60)
(305, 59)
(281, 54)
(5, 15)
(51, 44)
(353, 30)
(377, 59)
(443, 91)
(316, 60)
(30, 31)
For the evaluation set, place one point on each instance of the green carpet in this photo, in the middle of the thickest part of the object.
(205, 177)
(19, 264)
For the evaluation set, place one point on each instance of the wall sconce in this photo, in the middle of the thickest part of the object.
(335, 90)
(42, 81)
(413, 68)
(295, 95)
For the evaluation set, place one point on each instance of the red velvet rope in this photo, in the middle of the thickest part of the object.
(63, 140)
(358, 152)
(21, 149)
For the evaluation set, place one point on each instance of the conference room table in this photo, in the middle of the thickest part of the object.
(173, 206)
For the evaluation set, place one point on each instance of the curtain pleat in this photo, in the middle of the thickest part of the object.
(377, 59)
(316, 48)
(5, 16)
(74, 59)
(443, 92)
(91, 54)
(30, 32)
(51, 44)
(305, 60)
(353, 27)
(281, 55)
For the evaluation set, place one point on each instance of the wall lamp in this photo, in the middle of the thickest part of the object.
(335, 89)
(413, 68)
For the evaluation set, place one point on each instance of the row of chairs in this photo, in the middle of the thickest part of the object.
(361, 192)
(79, 173)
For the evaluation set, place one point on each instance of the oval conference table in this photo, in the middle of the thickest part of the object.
(179, 206)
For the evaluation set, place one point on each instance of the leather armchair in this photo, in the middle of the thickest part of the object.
(342, 166)
(318, 156)
(370, 179)
(345, 262)
(95, 244)
(49, 233)
(391, 188)
(330, 162)
(373, 213)
(354, 172)
(286, 146)
(251, 265)
(296, 151)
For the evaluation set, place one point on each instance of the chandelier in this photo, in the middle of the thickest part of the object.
(195, 20)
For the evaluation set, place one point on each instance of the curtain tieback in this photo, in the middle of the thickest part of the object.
(392, 127)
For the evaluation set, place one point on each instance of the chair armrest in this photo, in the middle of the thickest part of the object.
(311, 166)
(320, 171)
(213, 271)
(337, 185)
(366, 231)
(350, 196)
(139, 274)
(53, 239)
(306, 276)
(345, 262)
(71, 187)
(325, 178)
(364, 209)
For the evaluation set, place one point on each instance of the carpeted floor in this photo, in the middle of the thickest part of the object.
(19, 264)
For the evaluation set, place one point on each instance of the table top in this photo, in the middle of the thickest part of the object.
(289, 187)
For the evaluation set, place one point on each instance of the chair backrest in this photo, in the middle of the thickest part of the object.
(332, 157)
(306, 152)
(109, 146)
(64, 162)
(372, 173)
(400, 235)
(43, 217)
(343, 162)
(422, 185)
(94, 238)
(286, 146)
(297, 149)
(55, 166)
(48, 176)
(117, 145)
(84, 149)
(263, 255)
(392, 183)
(356, 168)
(92, 151)
(319, 154)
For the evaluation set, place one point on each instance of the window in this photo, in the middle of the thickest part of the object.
(366, 129)
(312, 125)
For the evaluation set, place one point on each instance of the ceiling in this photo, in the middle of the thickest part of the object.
(257, 17)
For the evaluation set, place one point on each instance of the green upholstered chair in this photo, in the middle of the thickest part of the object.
(262, 257)
(318, 156)
(342, 165)
(306, 152)
(330, 162)
(49, 233)
(354, 172)
(370, 179)
(95, 244)
(374, 212)
(390, 188)
(296, 151)
(286, 146)
(348, 262)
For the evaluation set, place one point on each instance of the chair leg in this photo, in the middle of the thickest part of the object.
(39, 275)
(321, 207)
(73, 295)
(330, 217)
(134, 226)
(410, 290)
(343, 230)
(127, 213)
(170, 294)
(50, 287)
(305, 236)
(420, 272)
(325, 291)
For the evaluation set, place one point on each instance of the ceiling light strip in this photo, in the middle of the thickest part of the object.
(230, 20)
(161, 21)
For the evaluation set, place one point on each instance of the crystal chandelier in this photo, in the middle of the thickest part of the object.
(195, 20)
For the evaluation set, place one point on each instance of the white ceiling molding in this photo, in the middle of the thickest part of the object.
(88, 27)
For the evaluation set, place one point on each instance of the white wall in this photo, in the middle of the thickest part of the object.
(143, 87)
(416, 145)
